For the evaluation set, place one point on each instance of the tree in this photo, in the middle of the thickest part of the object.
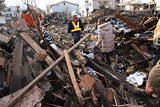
(2, 5)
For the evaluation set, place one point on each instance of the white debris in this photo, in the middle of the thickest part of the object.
(136, 79)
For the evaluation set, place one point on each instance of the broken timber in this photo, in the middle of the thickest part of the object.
(73, 78)
(127, 21)
(59, 51)
(31, 98)
(15, 81)
(37, 69)
(41, 54)
(5, 39)
(15, 99)
(138, 50)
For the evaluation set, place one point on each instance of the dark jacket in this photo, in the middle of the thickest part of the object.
(70, 25)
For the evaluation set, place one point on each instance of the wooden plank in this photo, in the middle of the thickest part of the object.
(59, 96)
(126, 20)
(94, 98)
(57, 49)
(26, 67)
(31, 42)
(37, 48)
(153, 27)
(31, 98)
(4, 38)
(15, 81)
(36, 69)
(15, 99)
(8, 75)
(139, 51)
(138, 39)
(128, 105)
(60, 52)
(115, 97)
(41, 54)
(73, 78)
(142, 22)
(86, 81)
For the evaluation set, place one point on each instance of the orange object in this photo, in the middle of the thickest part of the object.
(149, 89)
(94, 37)
(28, 19)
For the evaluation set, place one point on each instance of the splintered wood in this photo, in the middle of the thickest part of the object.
(73, 79)
(31, 98)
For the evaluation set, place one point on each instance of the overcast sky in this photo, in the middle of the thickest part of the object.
(42, 3)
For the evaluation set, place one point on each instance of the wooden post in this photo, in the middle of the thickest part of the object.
(15, 99)
(15, 81)
(73, 78)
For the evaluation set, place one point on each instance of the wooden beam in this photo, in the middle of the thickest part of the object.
(16, 98)
(139, 51)
(153, 27)
(57, 49)
(41, 54)
(36, 69)
(116, 100)
(73, 78)
(4, 38)
(143, 61)
(94, 98)
(142, 22)
(15, 81)
(60, 52)
(31, 98)
(138, 39)
(8, 75)
(134, 26)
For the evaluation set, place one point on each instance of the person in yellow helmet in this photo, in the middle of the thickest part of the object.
(75, 27)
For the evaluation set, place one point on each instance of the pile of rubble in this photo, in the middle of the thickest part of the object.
(55, 19)
(52, 72)
(135, 17)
